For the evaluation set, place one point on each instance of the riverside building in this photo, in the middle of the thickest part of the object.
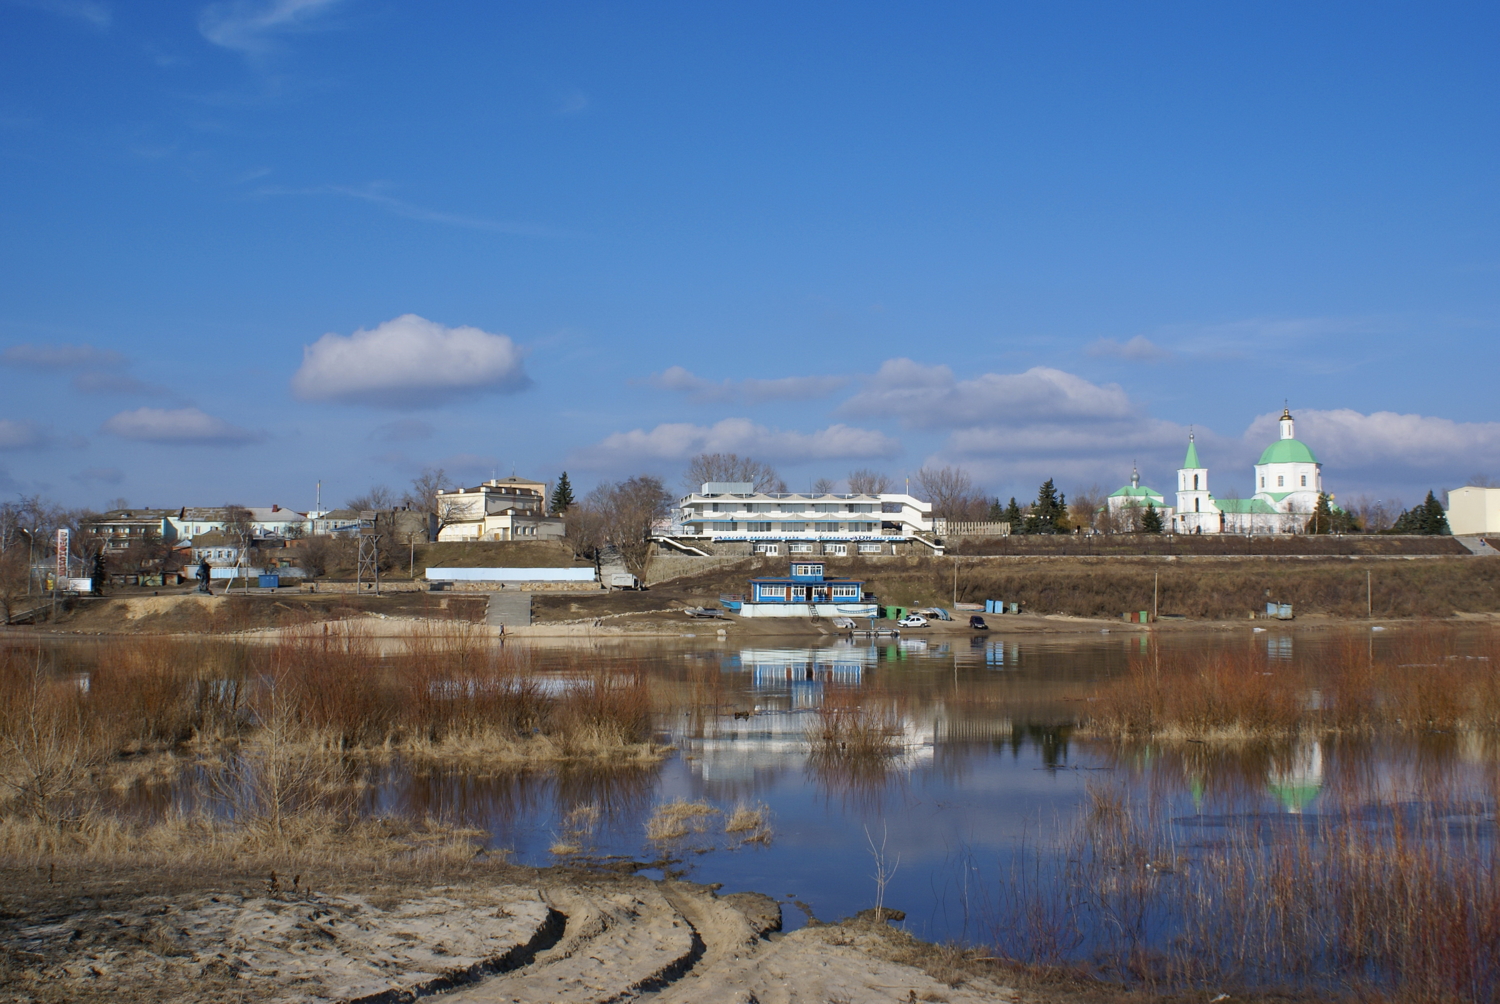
(733, 515)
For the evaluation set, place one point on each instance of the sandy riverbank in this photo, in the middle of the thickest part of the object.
(482, 933)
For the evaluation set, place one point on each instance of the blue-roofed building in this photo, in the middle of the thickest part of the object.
(806, 592)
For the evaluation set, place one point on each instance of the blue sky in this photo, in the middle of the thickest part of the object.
(247, 246)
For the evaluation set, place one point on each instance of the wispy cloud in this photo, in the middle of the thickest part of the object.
(679, 441)
(375, 195)
(253, 27)
(90, 12)
(1139, 349)
(100, 476)
(749, 391)
(932, 397)
(178, 426)
(22, 434)
(60, 357)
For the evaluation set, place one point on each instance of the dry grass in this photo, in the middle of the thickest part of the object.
(754, 821)
(1393, 900)
(284, 734)
(1209, 588)
(1424, 682)
(856, 724)
(676, 821)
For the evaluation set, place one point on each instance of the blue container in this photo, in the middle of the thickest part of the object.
(270, 582)
(989, 606)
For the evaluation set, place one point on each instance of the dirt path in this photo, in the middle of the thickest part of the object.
(521, 937)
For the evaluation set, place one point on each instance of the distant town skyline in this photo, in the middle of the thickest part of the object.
(255, 245)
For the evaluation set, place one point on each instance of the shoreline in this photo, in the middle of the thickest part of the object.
(486, 931)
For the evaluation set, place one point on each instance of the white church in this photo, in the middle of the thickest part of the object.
(1288, 480)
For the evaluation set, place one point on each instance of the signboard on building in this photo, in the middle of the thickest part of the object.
(62, 552)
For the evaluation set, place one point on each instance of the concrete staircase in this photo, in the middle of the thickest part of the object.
(508, 610)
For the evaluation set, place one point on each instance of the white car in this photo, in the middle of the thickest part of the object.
(913, 621)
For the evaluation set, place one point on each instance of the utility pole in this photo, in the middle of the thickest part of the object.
(955, 582)
(1155, 594)
(1369, 596)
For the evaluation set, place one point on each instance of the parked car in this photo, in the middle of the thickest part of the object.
(913, 621)
(977, 623)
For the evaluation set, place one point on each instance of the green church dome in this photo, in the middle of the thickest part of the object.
(1287, 451)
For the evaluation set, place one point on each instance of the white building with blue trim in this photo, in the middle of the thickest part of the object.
(798, 523)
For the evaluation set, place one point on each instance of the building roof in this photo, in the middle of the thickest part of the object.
(1287, 451)
(1245, 506)
(1191, 461)
(1136, 491)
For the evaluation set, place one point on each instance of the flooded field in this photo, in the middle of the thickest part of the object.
(990, 816)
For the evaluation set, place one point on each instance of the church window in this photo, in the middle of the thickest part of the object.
(1262, 482)
(1280, 481)
(1195, 482)
(1304, 481)
(1196, 507)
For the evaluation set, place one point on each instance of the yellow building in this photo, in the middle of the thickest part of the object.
(1474, 511)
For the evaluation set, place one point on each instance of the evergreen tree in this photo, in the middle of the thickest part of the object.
(1046, 510)
(1151, 519)
(997, 511)
(562, 495)
(1014, 518)
(1322, 517)
(1427, 518)
(1434, 521)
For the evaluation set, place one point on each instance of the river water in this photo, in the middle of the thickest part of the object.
(989, 774)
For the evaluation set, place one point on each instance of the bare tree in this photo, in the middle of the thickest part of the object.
(823, 486)
(629, 513)
(13, 580)
(952, 493)
(706, 467)
(423, 497)
(1088, 507)
(378, 497)
(1482, 481)
(867, 482)
(1375, 515)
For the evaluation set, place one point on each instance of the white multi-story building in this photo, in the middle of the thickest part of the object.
(801, 523)
(500, 509)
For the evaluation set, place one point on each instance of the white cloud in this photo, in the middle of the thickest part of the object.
(21, 435)
(61, 357)
(249, 26)
(932, 397)
(1406, 447)
(408, 362)
(1139, 349)
(749, 391)
(679, 441)
(177, 425)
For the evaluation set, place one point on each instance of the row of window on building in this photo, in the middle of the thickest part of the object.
(833, 550)
(767, 526)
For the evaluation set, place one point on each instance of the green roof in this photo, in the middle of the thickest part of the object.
(1245, 506)
(1287, 451)
(1191, 463)
(1276, 496)
(1134, 491)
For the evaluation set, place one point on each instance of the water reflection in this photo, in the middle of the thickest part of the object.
(989, 763)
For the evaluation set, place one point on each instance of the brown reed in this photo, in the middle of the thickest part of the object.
(1388, 900)
(855, 724)
(1424, 681)
(280, 732)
